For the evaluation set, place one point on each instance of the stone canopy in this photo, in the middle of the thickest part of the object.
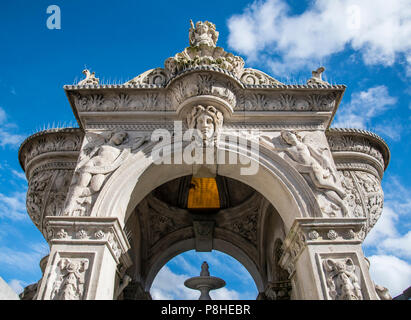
(113, 217)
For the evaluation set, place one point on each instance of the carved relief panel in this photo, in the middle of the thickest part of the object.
(341, 276)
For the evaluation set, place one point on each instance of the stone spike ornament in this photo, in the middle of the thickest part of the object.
(204, 283)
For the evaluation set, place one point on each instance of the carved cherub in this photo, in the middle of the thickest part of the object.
(317, 165)
(93, 170)
(70, 284)
(341, 279)
(204, 33)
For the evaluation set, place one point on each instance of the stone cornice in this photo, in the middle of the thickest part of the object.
(88, 231)
(64, 143)
(345, 140)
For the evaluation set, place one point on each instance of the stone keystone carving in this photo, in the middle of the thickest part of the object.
(341, 280)
(92, 172)
(70, 280)
(319, 168)
(204, 33)
(208, 121)
(90, 78)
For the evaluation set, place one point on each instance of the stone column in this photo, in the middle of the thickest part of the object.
(85, 254)
(325, 260)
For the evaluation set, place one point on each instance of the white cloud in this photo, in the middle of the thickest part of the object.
(380, 30)
(390, 263)
(363, 107)
(17, 285)
(170, 286)
(390, 272)
(14, 206)
(7, 137)
(20, 175)
(22, 260)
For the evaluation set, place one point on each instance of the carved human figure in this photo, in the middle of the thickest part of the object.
(341, 279)
(204, 33)
(207, 120)
(70, 283)
(204, 270)
(308, 160)
(92, 172)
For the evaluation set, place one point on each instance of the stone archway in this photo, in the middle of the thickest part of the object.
(161, 227)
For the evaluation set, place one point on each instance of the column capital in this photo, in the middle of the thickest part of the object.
(319, 231)
(72, 230)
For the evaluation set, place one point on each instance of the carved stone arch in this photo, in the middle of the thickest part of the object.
(219, 244)
(276, 180)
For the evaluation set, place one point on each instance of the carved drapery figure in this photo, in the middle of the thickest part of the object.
(204, 33)
(342, 281)
(70, 280)
(317, 165)
(92, 172)
(208, 121)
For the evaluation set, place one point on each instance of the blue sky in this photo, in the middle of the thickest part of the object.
(365, 45)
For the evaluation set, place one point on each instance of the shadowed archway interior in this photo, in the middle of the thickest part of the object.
(203, 215)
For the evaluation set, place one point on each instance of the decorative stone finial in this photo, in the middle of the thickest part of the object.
(317, 77)
(90, 78)
(204, 270)
(204, 33)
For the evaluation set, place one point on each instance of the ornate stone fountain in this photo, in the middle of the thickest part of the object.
(204, 283)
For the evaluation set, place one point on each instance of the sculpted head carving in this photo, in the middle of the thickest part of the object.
(204, 33)
(290, 137)
(208, 120)
(118, 137)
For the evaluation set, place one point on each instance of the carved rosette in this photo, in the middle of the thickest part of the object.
(49, 158)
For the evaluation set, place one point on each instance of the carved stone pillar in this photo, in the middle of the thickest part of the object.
(85, 254)
(325, 260)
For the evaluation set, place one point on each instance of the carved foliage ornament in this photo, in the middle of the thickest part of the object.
(364, 196)
(116, 102)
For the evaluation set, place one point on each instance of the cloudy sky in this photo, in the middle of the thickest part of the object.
(365, 45)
